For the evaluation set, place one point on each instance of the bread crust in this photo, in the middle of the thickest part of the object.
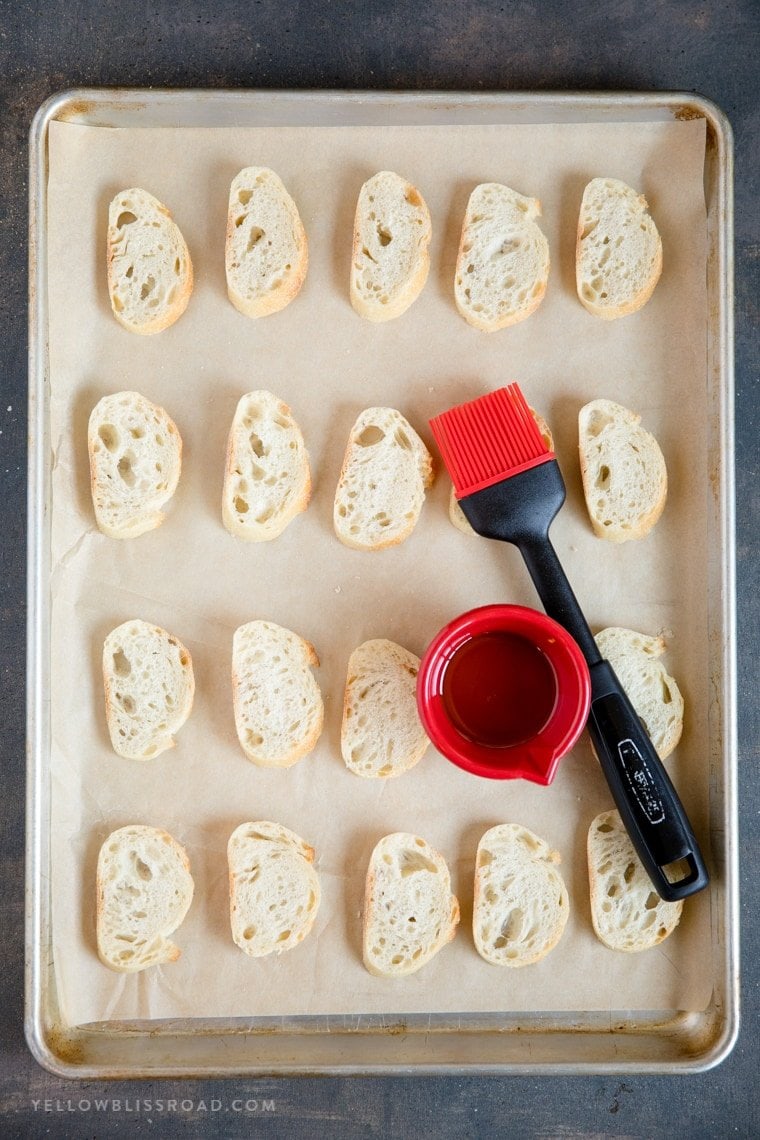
(380, 671)
(638, 299)
(162, 738)
(305, 743)
(634, 657)
(275, 299)
(534, 286)
(274, 527)
(449, 920)
(626, 912)
(367, 419)
(621, 419)
(151, 518)
(165, 951)
(407, 292)
(531, 867)
(263, 840)
(127, 201)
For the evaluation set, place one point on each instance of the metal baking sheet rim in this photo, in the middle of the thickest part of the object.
(499, 1044)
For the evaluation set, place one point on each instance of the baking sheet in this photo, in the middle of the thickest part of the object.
(200, 583)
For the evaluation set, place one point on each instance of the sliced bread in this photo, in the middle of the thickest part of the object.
(144, 891)
(618, 257)
(381, 733)
(274, 889)
(278, 705)
(150, 274)
(135, 463)
(626, 911)
(502, 267)
(149, 687)
(386, 471)
(390, 259)
(625, 481)
(652, 691)
(409, 910)
(267, 480)
(521, 904)
(457, 515)
(266, 253)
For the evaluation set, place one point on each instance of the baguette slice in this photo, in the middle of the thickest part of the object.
(149, 687)
(266, 253)
(390, 259)
(267, 480)
(618, 257)
(503, 263)
(278, 705)
(381, 734)
(457, 515)
(144, 891)
(386, 471)
(521, 904)
(625, 481)
(274, 889)
(626, 911)
(150, 274)
(135, 462)
(409, 910)
(653, 692)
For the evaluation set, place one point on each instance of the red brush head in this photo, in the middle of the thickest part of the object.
(487, 440)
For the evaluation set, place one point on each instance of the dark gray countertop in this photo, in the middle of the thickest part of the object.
(706, 47)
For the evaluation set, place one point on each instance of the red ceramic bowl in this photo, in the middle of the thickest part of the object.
(504, 692)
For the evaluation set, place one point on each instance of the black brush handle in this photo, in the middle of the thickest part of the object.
(645, 797)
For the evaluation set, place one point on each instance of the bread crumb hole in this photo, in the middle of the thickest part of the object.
(126, 218)
(143, 870)
(412, 863)
(241, 506)
(629, 872)
(384, 235)
(370, 436)
(109, 435)
(124, 467)
(148, 286)
(244, 197)
(121, 665)
(254, 238)
(284, 935)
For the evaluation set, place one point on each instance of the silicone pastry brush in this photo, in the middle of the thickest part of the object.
(510, 487)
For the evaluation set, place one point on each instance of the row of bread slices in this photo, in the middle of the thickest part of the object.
(278, 706)
(135, 454)
(502, 267)
(520, 907)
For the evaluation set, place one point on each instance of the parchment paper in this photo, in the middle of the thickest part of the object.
(194, 579)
